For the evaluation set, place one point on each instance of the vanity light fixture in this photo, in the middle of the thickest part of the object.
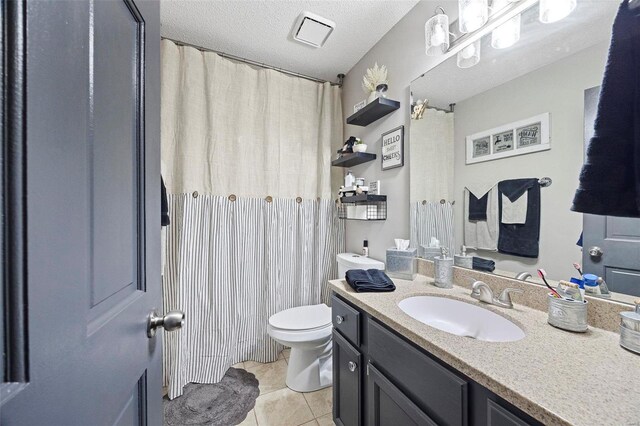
(472, 14)
(507, 34)
(436, 33)
(555, 10)
(469, 56)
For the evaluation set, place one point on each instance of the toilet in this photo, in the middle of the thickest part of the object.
(307, 331)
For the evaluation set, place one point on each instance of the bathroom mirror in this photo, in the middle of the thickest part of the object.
(487, 115)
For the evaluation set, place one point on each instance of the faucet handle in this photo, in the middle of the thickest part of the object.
(505, 296)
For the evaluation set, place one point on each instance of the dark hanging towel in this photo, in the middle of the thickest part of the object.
(164, 204)
(478, 207)
(520, 239)
(610, 177)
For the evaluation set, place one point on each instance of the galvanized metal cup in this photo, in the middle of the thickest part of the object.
(568, 315)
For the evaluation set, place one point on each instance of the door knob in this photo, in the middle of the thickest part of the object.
(595, 251)
(172, 321)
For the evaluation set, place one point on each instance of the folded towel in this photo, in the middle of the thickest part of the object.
(514, 212)
(481, 264)
(482, 234)
(478, 207)
(372, 280)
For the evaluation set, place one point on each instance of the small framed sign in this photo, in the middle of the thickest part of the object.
(393, 148)
(520, 137)
(357, 107)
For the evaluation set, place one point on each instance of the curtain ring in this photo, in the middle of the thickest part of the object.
(424, 202)
(318, 199)
(195, 194)
(232, 197)
(443, 201)
(453, 202)
(298, 200)
(268, 199)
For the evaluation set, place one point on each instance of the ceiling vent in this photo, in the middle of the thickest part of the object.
(312, 29)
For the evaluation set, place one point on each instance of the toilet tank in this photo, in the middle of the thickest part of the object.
(348, 261)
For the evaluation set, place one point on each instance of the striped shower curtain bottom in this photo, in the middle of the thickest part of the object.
(432, 219)
(229, 266)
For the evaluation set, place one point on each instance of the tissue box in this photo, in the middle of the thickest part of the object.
(429, 253)
(402, 263)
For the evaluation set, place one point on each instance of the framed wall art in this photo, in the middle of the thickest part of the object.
(393, 148)
(520, 137)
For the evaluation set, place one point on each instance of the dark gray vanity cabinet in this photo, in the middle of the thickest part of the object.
(382, 379)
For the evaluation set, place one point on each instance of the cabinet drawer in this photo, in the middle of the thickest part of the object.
(440, 393)
(347, 384)
(500, 416)
(388, 406)
(346, 319)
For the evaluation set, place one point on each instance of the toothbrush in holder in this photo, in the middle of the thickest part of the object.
(578, 268)
(542, 273)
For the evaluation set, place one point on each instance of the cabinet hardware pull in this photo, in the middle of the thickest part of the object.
(352, 366)
(339, 319)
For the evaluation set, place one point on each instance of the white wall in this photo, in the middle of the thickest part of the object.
(558, 89)
(402, 51)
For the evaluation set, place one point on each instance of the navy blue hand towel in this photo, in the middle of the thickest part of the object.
(372, 280)
(610, 176)
(481, 264)
(478, 207)
(164, 205)
(520, 239)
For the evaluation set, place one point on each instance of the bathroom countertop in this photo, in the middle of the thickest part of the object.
(556, 376)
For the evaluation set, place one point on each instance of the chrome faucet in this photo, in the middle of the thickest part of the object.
(482, 292)
(522, 276)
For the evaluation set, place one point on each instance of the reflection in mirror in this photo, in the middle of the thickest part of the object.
(483, 136)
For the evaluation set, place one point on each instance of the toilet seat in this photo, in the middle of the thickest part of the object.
(301, 324)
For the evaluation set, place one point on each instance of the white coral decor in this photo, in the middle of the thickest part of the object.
(374, 76)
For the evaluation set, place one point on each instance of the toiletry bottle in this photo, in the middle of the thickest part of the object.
(365, 248)
(443, 276)
(349, 180)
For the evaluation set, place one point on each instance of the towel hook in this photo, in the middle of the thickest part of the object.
(545, 181)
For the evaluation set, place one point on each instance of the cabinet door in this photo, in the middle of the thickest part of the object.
(388, 406)
(500, 416)
(347, 385)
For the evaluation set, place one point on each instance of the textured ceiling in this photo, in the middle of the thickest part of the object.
(260, 30)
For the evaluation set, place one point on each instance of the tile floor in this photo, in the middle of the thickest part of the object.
(278, 405)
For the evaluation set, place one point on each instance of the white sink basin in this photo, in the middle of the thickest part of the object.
(461, 319)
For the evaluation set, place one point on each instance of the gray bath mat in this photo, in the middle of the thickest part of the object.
(224, 403)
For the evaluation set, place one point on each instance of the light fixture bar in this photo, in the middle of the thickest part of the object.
(460, 41)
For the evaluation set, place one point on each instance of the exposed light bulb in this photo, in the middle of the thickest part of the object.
(555, 10)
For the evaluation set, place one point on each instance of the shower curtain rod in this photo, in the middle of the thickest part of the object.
(258, 64)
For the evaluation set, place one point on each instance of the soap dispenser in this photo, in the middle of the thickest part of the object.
(443, 270)
(630, 328)
(462, 260)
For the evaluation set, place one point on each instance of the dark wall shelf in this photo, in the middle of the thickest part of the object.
(363, 198)
(373, 111)
(350, 160)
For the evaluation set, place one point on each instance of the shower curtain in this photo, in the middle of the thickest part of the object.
(246, 157)
(431, 190)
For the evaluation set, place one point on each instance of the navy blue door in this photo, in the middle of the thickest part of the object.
(86, 266)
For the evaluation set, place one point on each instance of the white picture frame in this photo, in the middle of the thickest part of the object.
(517, 138)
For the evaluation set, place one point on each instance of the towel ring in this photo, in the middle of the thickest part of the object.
(194, 194)
(298, 200)
(268, 199)
(232, 197)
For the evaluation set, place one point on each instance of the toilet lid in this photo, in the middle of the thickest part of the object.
(302, 317)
